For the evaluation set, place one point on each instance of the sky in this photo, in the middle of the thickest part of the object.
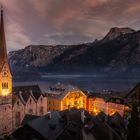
(46, 22)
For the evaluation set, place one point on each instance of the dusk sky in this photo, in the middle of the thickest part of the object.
(65, 21)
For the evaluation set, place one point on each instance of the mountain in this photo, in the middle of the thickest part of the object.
(36, 56)
(116, 32)
(119, 50)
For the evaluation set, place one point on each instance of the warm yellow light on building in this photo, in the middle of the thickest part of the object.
(5, 93)
(112, 113)
(6, 87)
(96, 111)
(74, 99)
(127, 108)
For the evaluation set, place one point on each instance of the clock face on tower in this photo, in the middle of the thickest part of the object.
(5, 73)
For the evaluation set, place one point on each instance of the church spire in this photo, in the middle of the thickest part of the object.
(3, 52)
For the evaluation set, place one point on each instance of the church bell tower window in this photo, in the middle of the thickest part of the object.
(5, 85)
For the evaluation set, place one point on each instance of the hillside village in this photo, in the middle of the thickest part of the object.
(30, 104)
(63, 111)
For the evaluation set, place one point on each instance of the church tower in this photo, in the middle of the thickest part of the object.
(5, 85)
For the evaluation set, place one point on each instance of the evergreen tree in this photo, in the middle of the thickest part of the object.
(133, 122)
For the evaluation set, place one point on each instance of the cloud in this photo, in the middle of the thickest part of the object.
(87, 17)
(16, 38)
(67, 38)
(66, 21)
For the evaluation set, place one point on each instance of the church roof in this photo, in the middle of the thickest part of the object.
(3, 52)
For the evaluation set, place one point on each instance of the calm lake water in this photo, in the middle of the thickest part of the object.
(86, 82)
(91, 82)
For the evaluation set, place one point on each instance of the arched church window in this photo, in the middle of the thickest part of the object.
(5, 85)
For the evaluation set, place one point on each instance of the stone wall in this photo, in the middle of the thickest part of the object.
(5, 118)
(53, 104)
(18, 113)
(42, 106)
(113, 107)
(30, 107)
(99, 104)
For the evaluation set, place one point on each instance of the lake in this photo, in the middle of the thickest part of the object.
(86, 82)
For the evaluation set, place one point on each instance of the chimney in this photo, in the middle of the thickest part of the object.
(49, 115)
(31, 91)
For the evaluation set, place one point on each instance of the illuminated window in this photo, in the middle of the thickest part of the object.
(4, 85)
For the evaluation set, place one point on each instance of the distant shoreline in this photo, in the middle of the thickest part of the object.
(86, 82)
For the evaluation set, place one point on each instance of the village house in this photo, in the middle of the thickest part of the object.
(116, 104)
(64, 96)
(16, 102)
(134, 94)
(18, 110)
(96, 105)
(27, 100)
(73, 124)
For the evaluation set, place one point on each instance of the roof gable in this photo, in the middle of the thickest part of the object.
(26, 91)
(131, 91)
(31, 97)
(60, 90)
(16, 99)
(6, 67)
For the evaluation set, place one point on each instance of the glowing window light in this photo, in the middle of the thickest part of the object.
(96, 111)
(112, 113)
(74, 99)
(5, 93)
